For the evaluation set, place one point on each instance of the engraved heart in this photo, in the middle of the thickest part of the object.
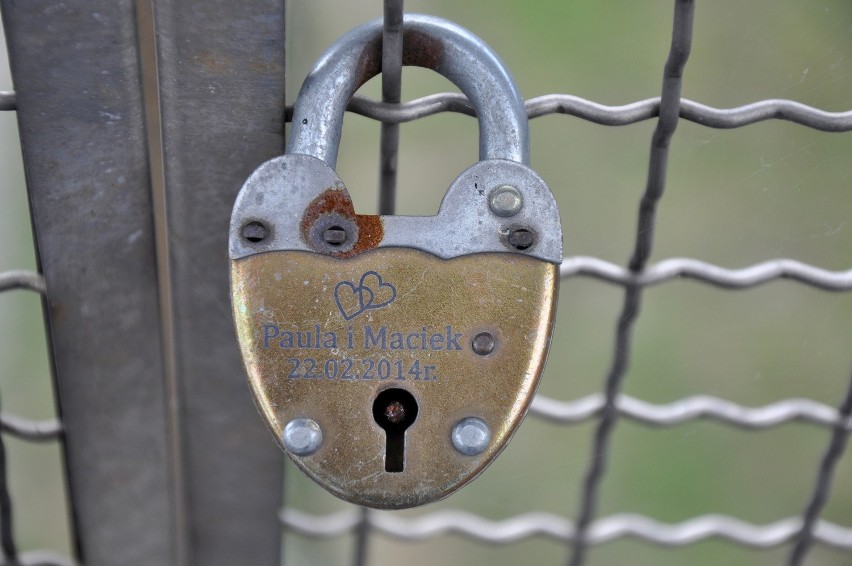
(383, 293)
(351, 300)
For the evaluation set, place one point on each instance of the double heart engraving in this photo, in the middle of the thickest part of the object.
(370, 293)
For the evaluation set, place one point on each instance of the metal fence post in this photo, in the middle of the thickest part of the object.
(221, 85)
(81, 119)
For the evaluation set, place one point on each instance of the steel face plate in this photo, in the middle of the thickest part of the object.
(322, 337)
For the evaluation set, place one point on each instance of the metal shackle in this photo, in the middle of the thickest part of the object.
(429, 42)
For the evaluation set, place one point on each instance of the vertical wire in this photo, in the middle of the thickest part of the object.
(362, 533)
(389, 151)
(391, 92)
(7, 534)
(657, 170)
(828, 464)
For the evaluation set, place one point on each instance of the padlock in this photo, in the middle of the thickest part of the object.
(393, 357)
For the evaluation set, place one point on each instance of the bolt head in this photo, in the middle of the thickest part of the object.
(471, 436)
(255, 232)
(521, 239)
(334, 235)
(302, 437)
(505, 201)
(483, 343)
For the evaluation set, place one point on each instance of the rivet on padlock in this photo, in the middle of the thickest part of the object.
(394, 356)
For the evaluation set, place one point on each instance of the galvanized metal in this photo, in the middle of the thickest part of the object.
(624, 115)
(221, 88)
(28, 429)
(427, 42)
(23, 429)
(278, 193)
(806, 536)
(41, 558)
(92, 215)
(538, 524)
(681, 44)
(692, 408)
(7, 100)
(687, 268)
(8, 545)
(20, 279)
(391, 92)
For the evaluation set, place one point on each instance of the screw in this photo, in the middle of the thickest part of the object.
(505, 200)
(302, 436)
(483, 343)
(395, 412)
(334, 235)
(254, 232)
(471, 436)
(521, 239)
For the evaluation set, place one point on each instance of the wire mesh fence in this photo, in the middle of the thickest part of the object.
(588, 523)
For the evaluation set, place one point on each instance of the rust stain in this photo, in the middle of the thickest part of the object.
(215, 63)
(370, 232)
(264, 67)
(370, 227)
(370, 62)
(57, 312)
(422, 50)
(419, 50)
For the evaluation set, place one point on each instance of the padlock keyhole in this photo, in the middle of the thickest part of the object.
(395, 410)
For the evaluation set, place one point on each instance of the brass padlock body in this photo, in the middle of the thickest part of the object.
(305, 359)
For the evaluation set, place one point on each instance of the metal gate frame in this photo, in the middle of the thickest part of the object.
(125, 316)
(129, 215)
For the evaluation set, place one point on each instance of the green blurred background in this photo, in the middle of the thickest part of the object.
(734, 198)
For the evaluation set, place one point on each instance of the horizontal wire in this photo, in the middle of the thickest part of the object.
(19, 279)
(723, 118)
(26, 429)
(528, 525)
(40, 558)
(8, 100)
(32, 430)
(616, 526)
(533, 524)
(690, 408)
(750, 276)
(661, 272)
(582, 409)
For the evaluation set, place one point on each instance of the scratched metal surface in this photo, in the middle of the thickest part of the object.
(449, 380)
(221, 83)
(87, 174)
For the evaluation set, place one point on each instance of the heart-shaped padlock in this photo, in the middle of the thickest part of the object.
(393, 357)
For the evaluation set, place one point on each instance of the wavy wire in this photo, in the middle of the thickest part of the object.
(623, 115)
(533, 524)
(691, 408)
